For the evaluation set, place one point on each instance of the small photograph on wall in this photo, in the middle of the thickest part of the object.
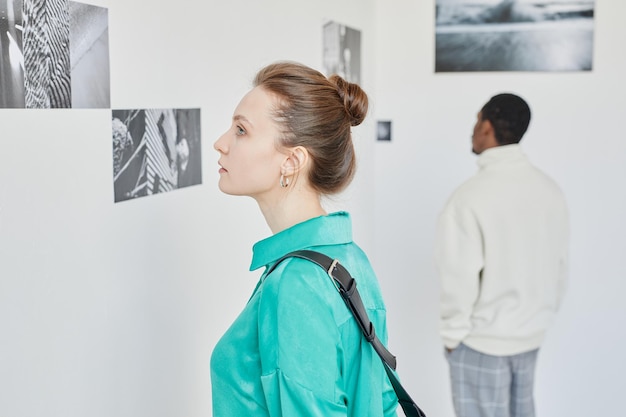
(155, 151)
(54, 54)
(514, 35)
(383, 132)
(342, 51)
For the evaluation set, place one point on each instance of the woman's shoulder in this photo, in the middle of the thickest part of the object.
(296, 276)
(299, 286)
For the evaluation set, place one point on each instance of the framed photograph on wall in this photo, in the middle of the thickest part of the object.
(155, 151)
(514, 35)
(383, 130)
(53, 54)
(342, 51)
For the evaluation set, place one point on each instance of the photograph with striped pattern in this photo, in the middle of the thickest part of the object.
(155, 151)
(53, 54)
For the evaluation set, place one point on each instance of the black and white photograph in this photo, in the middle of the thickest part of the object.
(155, 151)
(12, 94)
(55, 54)
(383, 130)
(514, 35)
(89, 56)
(342, 51)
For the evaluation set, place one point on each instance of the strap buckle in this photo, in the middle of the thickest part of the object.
(330, 271)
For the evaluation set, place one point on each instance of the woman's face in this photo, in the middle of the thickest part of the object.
(249, 160)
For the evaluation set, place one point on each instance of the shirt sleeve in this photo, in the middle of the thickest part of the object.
(563, 262)
(300, 344)
(459, 262)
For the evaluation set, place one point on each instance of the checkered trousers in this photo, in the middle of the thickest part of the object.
(492, 386)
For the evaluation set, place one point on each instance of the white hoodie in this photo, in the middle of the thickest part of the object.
(501, 254)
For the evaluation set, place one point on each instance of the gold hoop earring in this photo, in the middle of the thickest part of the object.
(284, 181)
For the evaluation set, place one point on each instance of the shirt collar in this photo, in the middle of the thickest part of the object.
(332, 229)
(505, 153)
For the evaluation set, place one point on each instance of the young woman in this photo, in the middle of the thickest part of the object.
(296, 350)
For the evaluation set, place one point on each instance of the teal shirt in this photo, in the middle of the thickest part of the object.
(295, 349)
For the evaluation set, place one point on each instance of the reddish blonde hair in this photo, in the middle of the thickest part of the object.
(317, 113)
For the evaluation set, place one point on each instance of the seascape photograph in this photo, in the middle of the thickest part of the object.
(514, 35)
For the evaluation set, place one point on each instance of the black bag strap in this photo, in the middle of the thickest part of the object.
(346, 285)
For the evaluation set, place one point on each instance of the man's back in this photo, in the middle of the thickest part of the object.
(510, 227)
(501, 253)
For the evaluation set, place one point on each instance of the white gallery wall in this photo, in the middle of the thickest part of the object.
(113, 309)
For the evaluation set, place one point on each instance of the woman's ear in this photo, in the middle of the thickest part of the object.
(295, 162)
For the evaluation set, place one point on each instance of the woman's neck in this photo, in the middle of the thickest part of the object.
(294, 208)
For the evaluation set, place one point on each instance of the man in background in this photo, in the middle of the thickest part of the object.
(501, 255)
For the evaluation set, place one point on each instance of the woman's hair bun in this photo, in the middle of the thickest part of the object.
(354, 99)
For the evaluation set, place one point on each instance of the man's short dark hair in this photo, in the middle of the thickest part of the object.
(509, 115)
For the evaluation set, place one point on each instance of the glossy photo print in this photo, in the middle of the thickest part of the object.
(342, 51)
(53, 54)
(383, 130)
(155, 151)
(514, 35)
